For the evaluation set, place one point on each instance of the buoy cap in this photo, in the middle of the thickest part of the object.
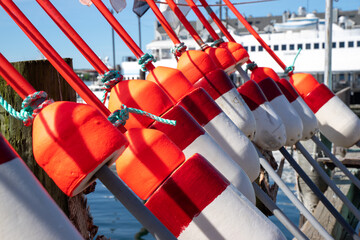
(237, 50)
(222, 58)
(304, 83)
(260, 73)
(150, 158)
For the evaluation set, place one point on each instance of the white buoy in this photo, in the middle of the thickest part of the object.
(229, 137)
(206, 206)
(336, 120)
(270, 130)
(27, 210)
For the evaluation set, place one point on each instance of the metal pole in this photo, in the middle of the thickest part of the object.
(113, 43)
(328, 181)
(133, 204)
(343, 168)
(141, 74)
(264, 198)
(318, 193)
(303, 210)
(328, 43)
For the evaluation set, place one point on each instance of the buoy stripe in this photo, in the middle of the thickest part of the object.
(186, 129)
(269, 88)
(7, 153)
(288, 90)
(318, 97)
(252, 94)
(200, 105)
(192, 187)
(216, 83)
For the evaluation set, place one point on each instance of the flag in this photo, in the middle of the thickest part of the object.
(170, 15)
(118, 5)
(140, 7)
(85, 2)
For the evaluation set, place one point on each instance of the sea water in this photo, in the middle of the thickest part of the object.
(115, 222)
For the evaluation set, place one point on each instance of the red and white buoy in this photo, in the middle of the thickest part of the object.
(200, 70)
(336, 121)
(71, 141)
(188, 135)
(206, 206)
(27, 210)
(282, 107)
(237, 50)
(210, 116)
(270, 130)
(307, 117)
(222, 58)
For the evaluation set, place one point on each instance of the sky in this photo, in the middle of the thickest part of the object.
(96, 32)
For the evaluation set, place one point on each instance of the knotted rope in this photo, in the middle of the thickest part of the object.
(144, 60)
(110, 79)
(178, 49)
(121, 115)
(250, 66)
(217, 42)
(292, 67)
(31, 106)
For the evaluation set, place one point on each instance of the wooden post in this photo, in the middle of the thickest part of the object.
(42, 76)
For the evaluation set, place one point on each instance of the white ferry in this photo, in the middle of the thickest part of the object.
(285, 34)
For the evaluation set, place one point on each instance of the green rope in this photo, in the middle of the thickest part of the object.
(292, 67)
(250, 66)
(217, 42)
(178, 49)
(120, 116)
(110, 79)
(22, 115)
(144, 60)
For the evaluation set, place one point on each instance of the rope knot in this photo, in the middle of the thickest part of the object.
(32, 105)
(291, 68)
(178, 49)
(144, 60)
(110, 79)
(217, 42)
(121, 115)
(250, 66)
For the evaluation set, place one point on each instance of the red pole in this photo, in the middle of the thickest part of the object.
(14, 78)
(217, 21)
(54, 58)
(254, 33)
(79, 43)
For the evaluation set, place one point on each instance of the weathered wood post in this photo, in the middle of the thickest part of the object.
(43, 76)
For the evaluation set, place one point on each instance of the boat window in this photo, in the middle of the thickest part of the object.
(165, 53)
(300, 46)
(316, 45)
(291, 47)
(358, 43)
(334, 44)
(246, 48)
(156, 53)
(192, 48)
(323, 45)
(350, 44)
(276, 47)
(260, 48)
(341, 44)
(252, 48)
(283, 47)
(308, 46)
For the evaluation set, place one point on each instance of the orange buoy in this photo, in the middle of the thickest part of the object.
(336, 121)
(223, 58)
(150, 158)
(201, 71)
(206, 206)
(237, 50)
(28, 211)
(189, 136)
(71, 141)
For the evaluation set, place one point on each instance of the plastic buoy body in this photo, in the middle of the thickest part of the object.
(202, 72)
(237, 50)
(308, 118)
(282, 107)
(188, 135)
(27, 210)
(223, 58)
(336, 121)
(71, 141)
(207, 207)
(230, 138)
(270, 130)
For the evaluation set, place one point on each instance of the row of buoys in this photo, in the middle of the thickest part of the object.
(204, 202)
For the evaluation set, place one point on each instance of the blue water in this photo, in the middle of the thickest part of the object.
(115, 222)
